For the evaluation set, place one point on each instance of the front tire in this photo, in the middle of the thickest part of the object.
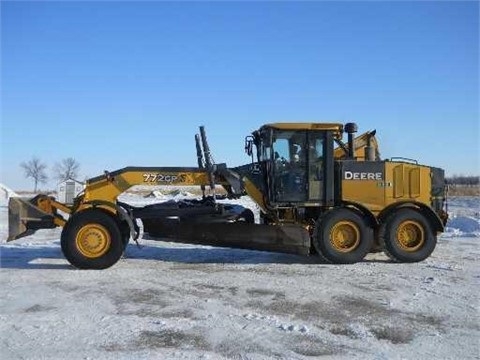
(406, 236)
(342, 237)
(92, 240)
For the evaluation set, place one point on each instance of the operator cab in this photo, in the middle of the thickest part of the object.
(296, 161)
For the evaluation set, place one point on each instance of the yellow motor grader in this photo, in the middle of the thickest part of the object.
(317, 195)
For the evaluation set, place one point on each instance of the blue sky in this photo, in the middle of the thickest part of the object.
(128, 83)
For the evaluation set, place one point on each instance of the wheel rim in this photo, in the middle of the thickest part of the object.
(345, 236)
(93, 240)
(410, 235)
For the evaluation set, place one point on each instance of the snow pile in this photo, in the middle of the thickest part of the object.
(464, 217)
(180, 194)
(5, 194)
(157, 194)
(463, 226)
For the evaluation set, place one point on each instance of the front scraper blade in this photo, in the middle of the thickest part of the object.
(24, 218)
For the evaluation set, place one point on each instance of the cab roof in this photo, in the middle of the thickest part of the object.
(305, 126)
(337, 128)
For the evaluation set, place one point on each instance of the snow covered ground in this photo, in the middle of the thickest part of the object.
(173, 301)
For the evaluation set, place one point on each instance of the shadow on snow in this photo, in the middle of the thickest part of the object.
(33, 257)
(50, 256)
(199, 254)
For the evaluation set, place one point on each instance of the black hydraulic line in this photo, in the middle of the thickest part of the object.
(201, 165)
(208, 159)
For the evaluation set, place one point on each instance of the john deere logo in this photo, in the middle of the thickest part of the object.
(351, 175)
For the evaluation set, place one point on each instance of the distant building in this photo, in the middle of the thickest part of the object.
(5, 194)
(67, 190)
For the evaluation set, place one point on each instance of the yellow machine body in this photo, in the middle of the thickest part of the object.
(393, 183)
(316, 195)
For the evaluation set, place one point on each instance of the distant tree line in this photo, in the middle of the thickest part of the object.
(36, 170)
(463, 180)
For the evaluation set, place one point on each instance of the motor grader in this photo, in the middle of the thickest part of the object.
(317, 195)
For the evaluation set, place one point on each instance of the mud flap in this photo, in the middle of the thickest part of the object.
(24, 218)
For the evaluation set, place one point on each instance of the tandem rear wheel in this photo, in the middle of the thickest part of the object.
(406, 236)
(92, 239)
(342, 236)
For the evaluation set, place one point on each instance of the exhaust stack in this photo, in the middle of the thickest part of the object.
(351, 129)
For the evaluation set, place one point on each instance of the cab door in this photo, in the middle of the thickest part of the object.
(290, 166)
(316, 164)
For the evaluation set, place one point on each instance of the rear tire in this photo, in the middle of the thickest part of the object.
(342, 237)
(92, 240)
(406, 236)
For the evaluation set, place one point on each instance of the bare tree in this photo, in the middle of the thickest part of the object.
(35, 169)
(66, 169)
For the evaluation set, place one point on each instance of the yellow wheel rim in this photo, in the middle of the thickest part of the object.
(345, 236)
(93, 240)
(410, 236)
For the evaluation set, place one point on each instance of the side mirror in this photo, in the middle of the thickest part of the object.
(249, 145)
